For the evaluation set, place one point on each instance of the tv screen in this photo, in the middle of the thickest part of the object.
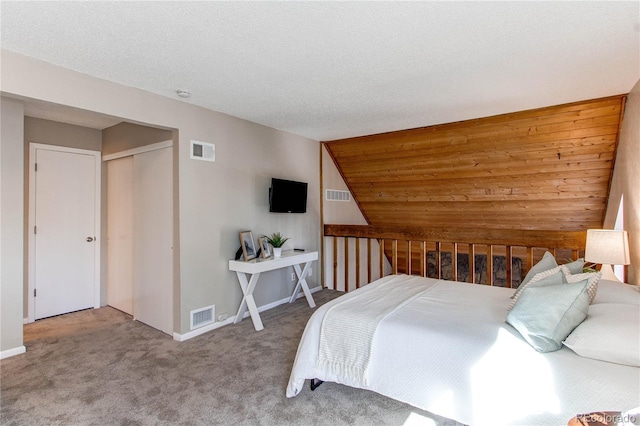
(287, 196)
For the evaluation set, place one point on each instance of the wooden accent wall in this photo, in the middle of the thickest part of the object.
(542, 169)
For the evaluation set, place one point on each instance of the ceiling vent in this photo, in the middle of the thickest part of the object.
(337, 195)
(203, 151)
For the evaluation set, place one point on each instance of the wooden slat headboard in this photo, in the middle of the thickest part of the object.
(407, 249)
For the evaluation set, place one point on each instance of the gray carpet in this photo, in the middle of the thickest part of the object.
(99, 367)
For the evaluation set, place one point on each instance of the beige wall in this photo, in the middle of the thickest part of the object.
(125, 136)
(338, 212)
(626, 181)
(215, 200)
(60, 134)
(11, 225)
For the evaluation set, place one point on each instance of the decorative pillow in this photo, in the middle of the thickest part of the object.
(610, 333)
(557, 275)
(547, 262)
(546, 315)
(592, 285)
(617, 292)
(576, 266)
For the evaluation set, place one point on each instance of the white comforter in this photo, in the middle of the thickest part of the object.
(449, 351)
(349, 327)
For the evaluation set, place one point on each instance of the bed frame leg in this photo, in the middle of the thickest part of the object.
(315, 384)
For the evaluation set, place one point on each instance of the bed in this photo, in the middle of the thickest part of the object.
(445, 347)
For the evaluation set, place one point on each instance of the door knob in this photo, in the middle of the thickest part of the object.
(89, 239)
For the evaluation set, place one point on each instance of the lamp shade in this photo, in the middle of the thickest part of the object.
(607, 247)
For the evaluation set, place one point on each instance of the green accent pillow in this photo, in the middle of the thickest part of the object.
(547, 262)
(576, 266)
(550, 277)
(592, 285)
(547, 312)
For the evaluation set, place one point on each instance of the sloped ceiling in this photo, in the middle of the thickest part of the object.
(543, 169)
(329, 70)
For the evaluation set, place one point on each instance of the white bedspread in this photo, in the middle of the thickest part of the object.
(348, 328)
(449, 351)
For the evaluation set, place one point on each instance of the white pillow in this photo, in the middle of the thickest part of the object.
(617, 292)
(610, 333)
(592, 285)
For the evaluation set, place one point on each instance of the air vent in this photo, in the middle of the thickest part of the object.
(337, 195)
(203, 151)
(201, 317)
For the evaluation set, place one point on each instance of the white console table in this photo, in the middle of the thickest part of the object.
(254, 267)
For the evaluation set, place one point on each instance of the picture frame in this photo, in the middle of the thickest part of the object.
(264, 246)
(248, 245)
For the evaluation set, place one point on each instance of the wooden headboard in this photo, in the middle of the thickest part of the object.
(409, 248)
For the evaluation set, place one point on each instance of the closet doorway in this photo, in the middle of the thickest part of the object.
(140, 234)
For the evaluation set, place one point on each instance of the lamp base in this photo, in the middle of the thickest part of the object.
(607, 273)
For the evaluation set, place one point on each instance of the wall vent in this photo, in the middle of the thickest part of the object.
(203, 151)
(203, 316)
(337, 195)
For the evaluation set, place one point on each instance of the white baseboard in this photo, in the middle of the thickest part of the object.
(197, 332)
(11, 352)
(25, 320)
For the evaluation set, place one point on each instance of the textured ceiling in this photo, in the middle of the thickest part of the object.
(330, 70)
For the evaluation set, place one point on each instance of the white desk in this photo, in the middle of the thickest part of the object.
(256, 266)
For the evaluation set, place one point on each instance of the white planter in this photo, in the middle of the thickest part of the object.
(277, 251)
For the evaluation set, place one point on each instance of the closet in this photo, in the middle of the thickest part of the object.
(140, 234)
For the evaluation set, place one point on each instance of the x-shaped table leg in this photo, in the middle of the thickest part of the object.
(302, 283)
(248, 301)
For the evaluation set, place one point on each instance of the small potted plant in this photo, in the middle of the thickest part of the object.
(277, 241)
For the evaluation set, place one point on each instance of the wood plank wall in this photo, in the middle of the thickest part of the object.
(542, 169)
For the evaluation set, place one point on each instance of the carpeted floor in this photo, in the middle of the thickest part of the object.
(99, 367)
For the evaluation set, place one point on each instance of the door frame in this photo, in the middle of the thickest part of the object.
(33, 146)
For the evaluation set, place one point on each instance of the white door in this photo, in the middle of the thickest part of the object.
(65, 232)
(120, 207)
(153, 239)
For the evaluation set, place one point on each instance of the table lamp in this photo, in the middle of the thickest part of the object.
(607, 247)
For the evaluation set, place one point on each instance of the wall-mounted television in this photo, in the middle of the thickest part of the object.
(287, 196)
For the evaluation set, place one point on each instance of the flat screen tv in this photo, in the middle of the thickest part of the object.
(287, 196)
